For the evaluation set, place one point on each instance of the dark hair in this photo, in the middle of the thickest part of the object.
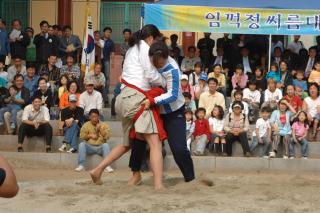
(18, 76)
(187, 95)
(213, 79)
(252, 82)
(126, 31)
(36, 97)
(66, 27)
(296, 119)
(317, 62)
(192, 47)
(238, 103)
(200, 109)
(70, 56)
(173, 36)
(52, 55)
(313, 84)
(13, 86)
(16, 57)
(239, 67)
(237, 92)
(313, 48)
(221, 112)
(56, 27)
(198, 64)
(274, 64)
(69, 84)
(280, 102)
(30, 65)
(265, 109)
(43, 23)
(277, 48)
(42, 79)
(96, 32)
(216, 65)
(301, 71)
(284, 61)
(146, 31)
(64, 75)
(188, 110)
(107, 28)
(97, 63)
(95, 111)
(3, 21)
(158, 50)
(14, 20)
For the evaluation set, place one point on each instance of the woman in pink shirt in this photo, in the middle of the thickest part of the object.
(239, 79)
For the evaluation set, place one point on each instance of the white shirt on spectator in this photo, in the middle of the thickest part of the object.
(245, 108)
(12, 71)
(194, 79)
(272, 96)
(262, 126)
(30, 114)
(295, 47)
(217, 125)
(253, 96)
(88, 102)
(4, 75)
(312, 105)
(246, 65)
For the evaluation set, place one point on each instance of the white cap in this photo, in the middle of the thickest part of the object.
(184, 77)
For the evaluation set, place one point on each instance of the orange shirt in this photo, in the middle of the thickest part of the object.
(64, 100)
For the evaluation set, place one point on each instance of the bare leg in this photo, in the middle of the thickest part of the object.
(135, 179)
(115, 154)
(315, 127)
(9, 187)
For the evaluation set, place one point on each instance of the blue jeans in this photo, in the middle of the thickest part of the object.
(107, 75)
(71, 135)
(264, 147)
(87, 149)
(13, 111)
(304, 147)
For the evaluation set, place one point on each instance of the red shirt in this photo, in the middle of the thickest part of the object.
(295, 102)
(202, 128)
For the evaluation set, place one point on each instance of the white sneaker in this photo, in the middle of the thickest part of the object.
(79, 168)
(265, 157)
(72, 150)
(305, 158)
(109, 169)
(63, 147)
(285, 157)
(291, 157)
(272, 154)
(1, 123)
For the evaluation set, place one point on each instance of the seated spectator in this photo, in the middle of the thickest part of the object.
(72, 118)
(217, 69)
(211, 98)
(274, 72)
(310, 105)
(189, 61)
(236, 126)
(315, 74)
(301, 93)
(285, 76)
(252, 97)
(25, 95)
(216, 124)
(261, 81)
(44, 93)
(239, 79)
(11, 106)
(299, 81)
(299, 135)
(51, 71)
(98, 79)
(310, 62)
(237, 96)
(189, 103)
(71, 70)
(116, 92)
(3, 74)
(35, 122)
(262, 134)
(69, 44)
(194, 77)
(272, 95)
(201, 87)
(94, 135)
(201, 132)
(185, 86)
(63, 82)
(190, 126)
(31, 79)
(90, 99)
(72, 88)
(16, 68)
(280, 123)
(293, 99)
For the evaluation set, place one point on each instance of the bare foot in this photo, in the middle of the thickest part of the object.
(96, 178)
(160, 188)
(135, 179)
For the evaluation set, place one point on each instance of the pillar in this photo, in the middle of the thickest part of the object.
(64, 12)
(188, 39)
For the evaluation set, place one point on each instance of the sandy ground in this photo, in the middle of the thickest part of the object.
(61, 190)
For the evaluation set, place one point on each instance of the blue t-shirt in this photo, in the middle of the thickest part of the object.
(301, 84)
(16, 106)
(274, 75)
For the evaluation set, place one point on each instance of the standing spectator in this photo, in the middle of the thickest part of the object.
(72, 118)
(31, 79)
(295, 46)
(25, 96)
(3, 74)
(31, 47)
(51, 70)
(94, 134)
(90, 99)
(72, 88)
(194, 77)
(98, 79)
(226, 44)
(236, 126)
(187, 65)
(174, 44)
(108, 53)
(308, 67)
(211, 98)
(293, 99)
(46, 44)
(71, 69)
(272, 95)
(35, 122)
(217, 69)
(277, 56)
(44, 93)
(315, 74)
(125, 44)
(57, 31)
(206, 44)
(16, 68)
(4, 41)
(19, 41)
(69, 45)
(239, 79)
(201, 132)
(98, 46)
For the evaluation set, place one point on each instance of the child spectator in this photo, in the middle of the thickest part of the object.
(3, 74)
(217, 69)
(185, 86)
(261, 81)
(201, 87)
(262, 134)
(299, 81)
(11, 107)
(194, 77)
(301, 93)
(280, 122)
(274, 73)
(189, 103)
(190, 126)
(239, 79)
(236, 126)
(252, 97)
(63, 85)
(272, 95)
(237, 96)
(201, 133)
(315, 74)
(299, 133)
(216, 124)
(293, 99)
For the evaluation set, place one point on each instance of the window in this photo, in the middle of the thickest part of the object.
(15, 9)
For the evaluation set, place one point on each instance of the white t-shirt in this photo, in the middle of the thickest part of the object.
(217, 125)
(253, 96)
(245, 108)
(263, 126)
(272, 96)
(312, 105)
